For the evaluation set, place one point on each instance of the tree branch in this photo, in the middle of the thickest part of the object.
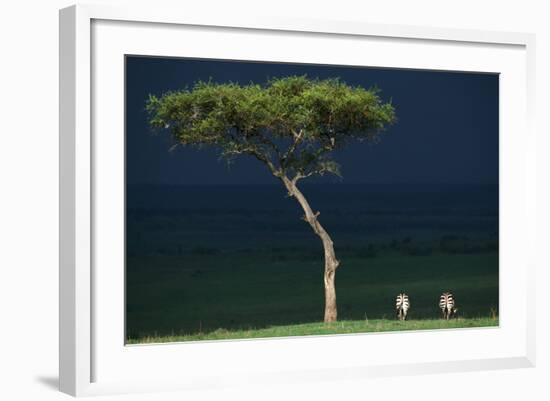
(299, 176)
(261, 157)
(263, 140)
(298, 136)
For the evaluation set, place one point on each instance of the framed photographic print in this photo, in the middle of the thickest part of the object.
(277, 200)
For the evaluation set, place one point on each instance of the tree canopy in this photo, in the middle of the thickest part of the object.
(291, 124)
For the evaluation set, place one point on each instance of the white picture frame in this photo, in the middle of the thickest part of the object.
(91, 357)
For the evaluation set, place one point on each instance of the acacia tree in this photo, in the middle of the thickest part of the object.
(292, 125)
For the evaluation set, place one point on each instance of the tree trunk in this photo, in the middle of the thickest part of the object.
(331, 263)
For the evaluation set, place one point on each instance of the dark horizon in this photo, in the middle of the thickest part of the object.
(323, 183)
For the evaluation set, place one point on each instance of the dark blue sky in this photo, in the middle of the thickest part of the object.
(447, 128)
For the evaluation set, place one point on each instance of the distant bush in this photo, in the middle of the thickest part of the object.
(162, 251)
(203, 250)
(369, 252)
(418, 250)
(454, 244)
(197, 273)
(279, 257)
(401, 245)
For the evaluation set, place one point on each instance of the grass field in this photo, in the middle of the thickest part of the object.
(342, 327)
(257, 291)
(216, 263)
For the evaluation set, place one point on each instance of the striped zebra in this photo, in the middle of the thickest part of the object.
(402, 306)
(447, 305)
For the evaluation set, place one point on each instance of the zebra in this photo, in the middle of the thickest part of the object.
(447, 305)
(402, 306)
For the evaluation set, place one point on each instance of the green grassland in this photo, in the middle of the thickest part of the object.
(341, 327)
(209, 293)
